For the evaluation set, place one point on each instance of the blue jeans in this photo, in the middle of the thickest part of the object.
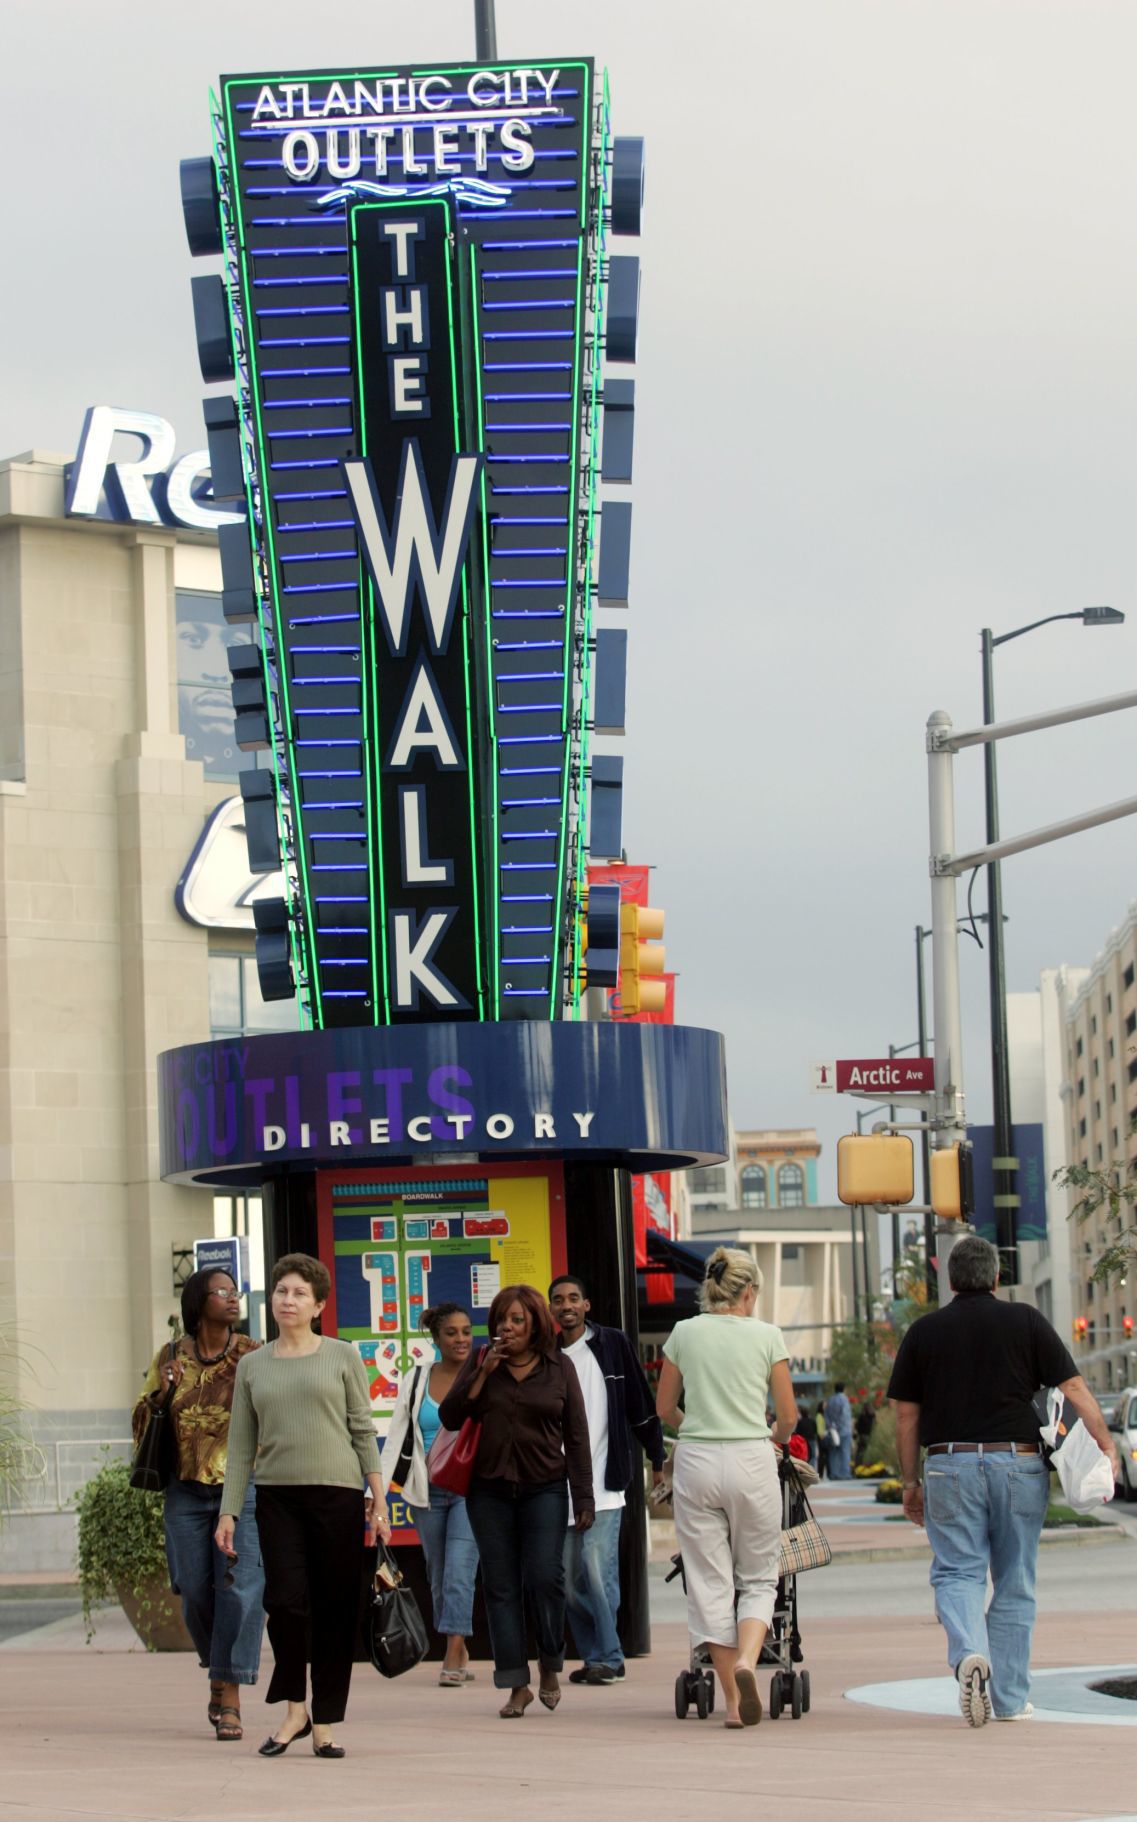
(985, 1512)
(451, 1560)
(592, 1587)
(521, 1537)
(225, 1624)
(838, 1463)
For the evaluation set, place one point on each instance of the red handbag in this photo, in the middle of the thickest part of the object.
(450, 1460)
(450, 1464)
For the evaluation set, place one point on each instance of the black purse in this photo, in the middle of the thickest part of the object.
(396, 1635)
(153, 1466)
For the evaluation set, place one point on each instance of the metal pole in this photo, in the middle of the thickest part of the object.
(925, 1140)
(853, 1254)
(485, 31)
(867, 1262)
(948, 1025)
(892, 1051)
(1004, 1163)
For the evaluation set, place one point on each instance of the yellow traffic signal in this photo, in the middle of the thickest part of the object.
(641, 954)
(951, 1185)
(875, 1167)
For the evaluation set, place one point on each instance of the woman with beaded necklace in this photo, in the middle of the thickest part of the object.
(222, 1604)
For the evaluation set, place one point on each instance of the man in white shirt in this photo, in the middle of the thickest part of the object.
(620, 1407)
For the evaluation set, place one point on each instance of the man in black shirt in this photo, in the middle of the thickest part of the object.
(962, 1387)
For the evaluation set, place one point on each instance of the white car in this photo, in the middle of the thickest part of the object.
(1121, 1421)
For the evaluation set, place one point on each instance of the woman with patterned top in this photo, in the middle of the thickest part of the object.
(302, 1412)
(222, 1606)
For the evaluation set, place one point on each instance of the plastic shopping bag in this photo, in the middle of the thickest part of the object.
(1085, 1473)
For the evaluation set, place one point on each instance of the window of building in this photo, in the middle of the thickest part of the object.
(710, 1181)
(1127, 977)
(1131, 1024)
(1096, 1067)
(1112, 1048)
(1081, 1084)
(1112, 1093)
(1113, 1139)
(1098, 1154)
(1133, 1070)
(1078, 1047)
(1097, 1110)
(1089, 1290)
(793, 1265)
(754, 1193)
(1094, 1025)
(1081, 1129)
(791, 1186)
(236, 1008)
(205, 702)
(1108, 1004)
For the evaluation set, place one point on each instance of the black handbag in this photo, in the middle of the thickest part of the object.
(396, 1635)
(153, 1466)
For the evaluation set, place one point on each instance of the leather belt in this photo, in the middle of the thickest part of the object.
(984, 1448)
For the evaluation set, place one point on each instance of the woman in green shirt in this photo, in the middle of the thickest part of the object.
(727, 1500)
(302, 1410)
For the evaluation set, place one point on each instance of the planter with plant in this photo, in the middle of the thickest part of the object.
(122, 1556)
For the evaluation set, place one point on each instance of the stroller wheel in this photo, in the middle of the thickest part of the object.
(709, 1680)
(805, 1692)
(702, 1704)
(796, 1699)
(775, 1695)
(682, 1698)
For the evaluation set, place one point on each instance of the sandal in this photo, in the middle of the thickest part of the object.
(214, 1709)
(229, 1730)
(550, 1697)
(519, 1700)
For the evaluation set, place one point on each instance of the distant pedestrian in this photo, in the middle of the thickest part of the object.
(807, 1430)
(302, 1412)
(727, 1499)
(839, 1431)
(864, 1425)
(533, 1450)
(440, 1517)
(223, 1612)
(962, 1387)
(822, 1440)
(621, 1413)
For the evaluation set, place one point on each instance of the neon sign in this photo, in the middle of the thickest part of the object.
(153, 488)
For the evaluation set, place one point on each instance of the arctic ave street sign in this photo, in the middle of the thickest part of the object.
(883, 1075)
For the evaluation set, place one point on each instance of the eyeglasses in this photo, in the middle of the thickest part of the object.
(233, 1293)
(227, 1579)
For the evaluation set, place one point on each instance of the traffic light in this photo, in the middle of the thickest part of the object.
(599, 936)
(953, 1187)
(641, 954)
(875, 1168)
(1127, 1327)
(1081, 1327)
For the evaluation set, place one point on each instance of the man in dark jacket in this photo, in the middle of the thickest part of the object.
(620, 1407)
(962, 1386)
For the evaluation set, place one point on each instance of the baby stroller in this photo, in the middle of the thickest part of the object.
(781, 1649)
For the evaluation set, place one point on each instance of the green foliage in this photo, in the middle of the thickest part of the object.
(861, 1358)
(882, 1442)
(122, 1546)
(1113, 1191)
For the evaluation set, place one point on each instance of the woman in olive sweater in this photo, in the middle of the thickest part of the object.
(303, 1414)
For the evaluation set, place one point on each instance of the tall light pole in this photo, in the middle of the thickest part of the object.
(1005, 1194)
(485, 31)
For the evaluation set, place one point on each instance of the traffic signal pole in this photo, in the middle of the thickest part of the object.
(945, 866)
(947, 1021)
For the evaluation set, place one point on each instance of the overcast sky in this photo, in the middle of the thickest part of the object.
(887, 395)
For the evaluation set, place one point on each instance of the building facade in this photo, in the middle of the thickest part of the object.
(1101, 1135)
(116, 747)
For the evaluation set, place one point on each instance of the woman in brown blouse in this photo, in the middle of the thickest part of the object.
(534, 1446)
(221, 1600)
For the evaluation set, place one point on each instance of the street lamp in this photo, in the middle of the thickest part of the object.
(1005, 1192)
(485, 31)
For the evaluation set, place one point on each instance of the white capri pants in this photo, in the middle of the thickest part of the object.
(728, 1524)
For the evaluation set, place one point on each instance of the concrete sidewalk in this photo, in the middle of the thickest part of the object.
(116, 1734)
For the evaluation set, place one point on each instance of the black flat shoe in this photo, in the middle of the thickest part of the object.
(272, 1749)
(330, 1752)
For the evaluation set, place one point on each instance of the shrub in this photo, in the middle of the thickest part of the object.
(122, 1549)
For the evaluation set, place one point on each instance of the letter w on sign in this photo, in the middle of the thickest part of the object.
(415, 550)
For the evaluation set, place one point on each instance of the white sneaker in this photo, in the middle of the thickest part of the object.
(974, 1702)
(1023, 1714)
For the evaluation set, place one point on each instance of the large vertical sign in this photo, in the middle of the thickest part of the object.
(415, 268)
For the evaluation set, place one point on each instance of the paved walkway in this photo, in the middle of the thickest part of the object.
(111, 1733)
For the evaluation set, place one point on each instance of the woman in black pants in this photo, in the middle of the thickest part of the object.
(304, 1415)
(534, 1428)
